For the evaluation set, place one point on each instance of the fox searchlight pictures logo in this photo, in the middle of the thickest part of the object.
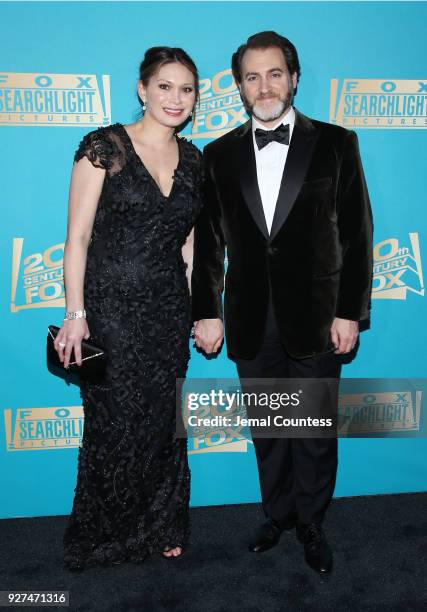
(54, 99)
(379, 413)
(379, 103)
(43, 428)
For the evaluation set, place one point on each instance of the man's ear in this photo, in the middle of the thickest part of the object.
(294, 78)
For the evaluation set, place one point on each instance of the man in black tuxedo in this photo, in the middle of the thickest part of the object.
(287, 196)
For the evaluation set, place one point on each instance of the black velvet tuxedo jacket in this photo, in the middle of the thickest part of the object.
(317, 259)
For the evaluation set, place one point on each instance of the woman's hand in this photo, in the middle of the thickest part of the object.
(70, 338)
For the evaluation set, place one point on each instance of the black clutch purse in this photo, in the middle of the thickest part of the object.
(94, 358)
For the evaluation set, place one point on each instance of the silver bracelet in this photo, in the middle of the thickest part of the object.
(77, 314)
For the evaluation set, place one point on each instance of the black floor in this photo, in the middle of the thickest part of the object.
(379, 543)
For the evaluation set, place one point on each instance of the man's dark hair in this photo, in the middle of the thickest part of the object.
(264, 40)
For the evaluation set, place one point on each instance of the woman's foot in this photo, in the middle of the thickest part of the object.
(172, 552)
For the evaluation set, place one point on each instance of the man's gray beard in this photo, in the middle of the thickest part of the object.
(271, 114)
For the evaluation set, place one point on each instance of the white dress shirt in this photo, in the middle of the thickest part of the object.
(270, 163)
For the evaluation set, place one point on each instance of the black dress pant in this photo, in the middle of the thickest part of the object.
(297, 475)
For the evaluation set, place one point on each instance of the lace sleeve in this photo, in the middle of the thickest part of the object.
(97, 147)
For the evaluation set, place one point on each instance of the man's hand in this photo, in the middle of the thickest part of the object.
(344, 335)
(208, 334)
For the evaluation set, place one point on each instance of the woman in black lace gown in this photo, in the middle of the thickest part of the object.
(129, 231)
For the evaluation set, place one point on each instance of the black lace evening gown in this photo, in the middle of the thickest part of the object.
(133, 482)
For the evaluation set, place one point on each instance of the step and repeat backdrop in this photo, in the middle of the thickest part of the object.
(67, 68)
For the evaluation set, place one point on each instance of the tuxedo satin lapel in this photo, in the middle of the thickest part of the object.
(249, 180)
(300, 152)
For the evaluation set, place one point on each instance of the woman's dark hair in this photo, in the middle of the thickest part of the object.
(264, 40)
(156, 57)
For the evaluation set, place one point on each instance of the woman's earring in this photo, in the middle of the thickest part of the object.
(144, 105)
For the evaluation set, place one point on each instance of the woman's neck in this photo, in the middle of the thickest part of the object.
(149, 131)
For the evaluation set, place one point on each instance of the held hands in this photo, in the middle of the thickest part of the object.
(344, 335)
(70, 337)
(209, 334)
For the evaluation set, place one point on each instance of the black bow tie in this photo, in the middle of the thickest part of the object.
(280, 134)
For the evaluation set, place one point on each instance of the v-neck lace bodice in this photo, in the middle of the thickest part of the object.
(133, 148)
(134, 221)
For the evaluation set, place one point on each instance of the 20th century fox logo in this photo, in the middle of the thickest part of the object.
(37, 278)
(220, 108)
(397, 268)
(379, 103)
(54, 99)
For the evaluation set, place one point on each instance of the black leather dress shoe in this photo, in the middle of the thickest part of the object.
(318, 553)
(269, 535)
